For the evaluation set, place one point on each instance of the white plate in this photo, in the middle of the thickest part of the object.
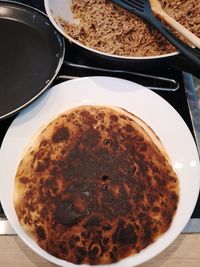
(155, 111)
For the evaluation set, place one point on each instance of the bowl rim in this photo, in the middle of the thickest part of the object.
(53, 20)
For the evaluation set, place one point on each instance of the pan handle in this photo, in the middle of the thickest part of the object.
(183, 64)
(150, 81)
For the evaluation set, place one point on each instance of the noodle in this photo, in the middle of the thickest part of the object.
(111, 29)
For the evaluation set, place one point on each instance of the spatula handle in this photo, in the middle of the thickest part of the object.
(180, 28)
(190, 53)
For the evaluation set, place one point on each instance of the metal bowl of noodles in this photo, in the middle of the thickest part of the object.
(112, 34)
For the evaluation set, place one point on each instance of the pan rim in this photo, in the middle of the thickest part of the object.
(60, 62)
(60, 29)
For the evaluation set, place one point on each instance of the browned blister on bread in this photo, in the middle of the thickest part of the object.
(95, 186)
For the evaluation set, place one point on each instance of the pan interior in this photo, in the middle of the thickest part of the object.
(30, 53)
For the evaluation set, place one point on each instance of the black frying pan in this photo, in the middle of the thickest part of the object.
(31, 54)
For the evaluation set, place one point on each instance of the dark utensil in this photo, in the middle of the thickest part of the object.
(31, 54)
(142, 9)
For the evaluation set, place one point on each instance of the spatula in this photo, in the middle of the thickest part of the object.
(159, 12)
(143, 9)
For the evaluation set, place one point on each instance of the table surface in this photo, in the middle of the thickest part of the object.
(183, 252)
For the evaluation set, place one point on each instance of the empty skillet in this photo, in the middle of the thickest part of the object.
(31, 54)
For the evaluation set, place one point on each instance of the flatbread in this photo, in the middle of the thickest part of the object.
(95, 186)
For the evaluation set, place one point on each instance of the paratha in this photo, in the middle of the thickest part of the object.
(95, 186)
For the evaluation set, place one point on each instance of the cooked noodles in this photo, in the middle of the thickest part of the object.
(108, 28)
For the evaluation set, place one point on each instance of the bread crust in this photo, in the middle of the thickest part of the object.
(95, 185)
